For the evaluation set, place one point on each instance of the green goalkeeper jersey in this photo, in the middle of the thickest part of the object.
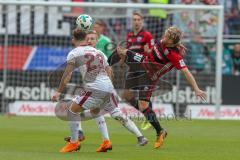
(102, 45)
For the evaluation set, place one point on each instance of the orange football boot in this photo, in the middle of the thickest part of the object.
(105, 146)
(70, 147)
(160, 139)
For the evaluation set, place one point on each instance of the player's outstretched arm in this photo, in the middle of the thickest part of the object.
(191, 80)
(64, 80)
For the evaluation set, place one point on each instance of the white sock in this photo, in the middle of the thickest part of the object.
(86, 115)
(80, 126)
(74, 125)
(126, 122)
(74, 130)
(102, 126)
(131, 126)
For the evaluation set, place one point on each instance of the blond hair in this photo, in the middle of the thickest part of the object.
(175, 34)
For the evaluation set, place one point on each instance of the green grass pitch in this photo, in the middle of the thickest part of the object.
(40, 138)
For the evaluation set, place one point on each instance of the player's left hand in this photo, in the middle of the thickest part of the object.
(201, 94)
(56, 96)
(146, 48)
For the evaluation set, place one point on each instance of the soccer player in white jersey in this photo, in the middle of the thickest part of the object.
(92, 39)
(98, 90)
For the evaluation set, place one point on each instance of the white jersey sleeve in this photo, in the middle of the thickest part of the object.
(105, 58)
(71, 57)
(75, 57)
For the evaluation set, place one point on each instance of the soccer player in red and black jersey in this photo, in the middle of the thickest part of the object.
(165, 55)
(141, 41)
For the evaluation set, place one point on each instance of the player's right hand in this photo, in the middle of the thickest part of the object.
(121, 51)
(201, 94)
(56, 96)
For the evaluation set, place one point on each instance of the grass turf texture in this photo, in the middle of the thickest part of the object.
(38, 138)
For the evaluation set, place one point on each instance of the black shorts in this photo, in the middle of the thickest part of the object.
(139, 82)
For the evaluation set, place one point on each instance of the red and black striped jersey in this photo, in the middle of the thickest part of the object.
(162, 59)
(137, 42)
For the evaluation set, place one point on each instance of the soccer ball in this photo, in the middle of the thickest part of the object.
(84, 21)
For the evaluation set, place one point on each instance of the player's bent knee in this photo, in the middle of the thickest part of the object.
(143, 105)
(72, 114)
(75, 108)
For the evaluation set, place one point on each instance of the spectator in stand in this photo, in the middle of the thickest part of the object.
(188, 1)
(227, 62)
(235, 4)
(197, 51)
(236, 59)
(210, 2)
(227, 66)
(158, 19)
(118, 28)
(103, 41)
(185, 19)
(234, 22)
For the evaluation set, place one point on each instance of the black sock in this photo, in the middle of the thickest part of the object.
(134, 103)
(150, 104)
(152, 118)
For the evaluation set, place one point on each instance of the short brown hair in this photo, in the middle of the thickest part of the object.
(93, 32)
(138, 14)
(79, 34)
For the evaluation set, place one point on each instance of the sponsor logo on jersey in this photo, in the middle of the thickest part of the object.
(139, 39)
(138, 57)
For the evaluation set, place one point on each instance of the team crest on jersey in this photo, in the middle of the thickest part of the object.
(152, 42)
(182, 63)
(166, 52)
(139, 39)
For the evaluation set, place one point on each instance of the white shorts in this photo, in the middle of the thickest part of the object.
(97, 99)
